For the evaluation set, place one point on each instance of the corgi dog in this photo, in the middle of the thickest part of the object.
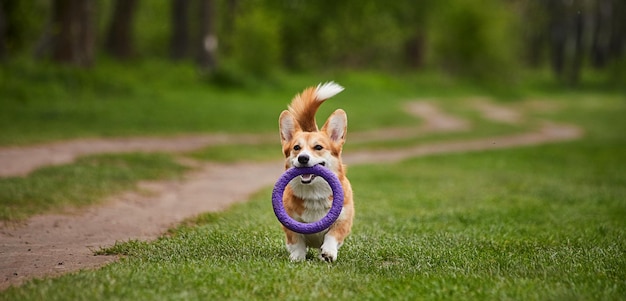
(308, 198)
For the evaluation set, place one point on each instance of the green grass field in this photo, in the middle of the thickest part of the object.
(533, 223)
(527, 224)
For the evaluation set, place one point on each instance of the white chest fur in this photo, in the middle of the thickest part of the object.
(317, 190)
(317, 203)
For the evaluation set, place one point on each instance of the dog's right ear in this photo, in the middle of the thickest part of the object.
(288, 126)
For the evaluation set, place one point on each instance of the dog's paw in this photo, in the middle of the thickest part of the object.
(297, 256)
(297, 252)
(328, 253)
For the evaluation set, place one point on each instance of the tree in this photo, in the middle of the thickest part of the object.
(207, 43)
(179, 41)
(18, 21)
(3, 31)
(73, 34)
(119, 41)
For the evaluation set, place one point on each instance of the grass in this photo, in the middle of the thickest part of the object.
(532, 223)
(81, 183)
(55, 188)
(528, 224)
(42, 103)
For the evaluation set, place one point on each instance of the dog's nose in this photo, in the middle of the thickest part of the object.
(303, 159)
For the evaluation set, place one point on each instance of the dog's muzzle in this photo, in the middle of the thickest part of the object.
(304, 160)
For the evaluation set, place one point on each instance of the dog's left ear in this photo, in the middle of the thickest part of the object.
(336, 126)
(288, 126)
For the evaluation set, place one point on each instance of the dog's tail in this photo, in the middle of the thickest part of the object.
(305, 105)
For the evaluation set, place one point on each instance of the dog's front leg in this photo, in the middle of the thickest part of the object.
(334, 239)
(330, 248)
(296, 245)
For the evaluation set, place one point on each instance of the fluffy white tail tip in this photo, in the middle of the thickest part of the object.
(327, 90)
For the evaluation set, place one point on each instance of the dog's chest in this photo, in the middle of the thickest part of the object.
(317, 191)
(316, 199)
(315, 210)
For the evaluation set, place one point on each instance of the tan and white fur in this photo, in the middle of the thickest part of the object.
(308, 198)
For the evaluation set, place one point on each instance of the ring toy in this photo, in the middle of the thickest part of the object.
(307, 228)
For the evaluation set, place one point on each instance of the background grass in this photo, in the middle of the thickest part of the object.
(42, 102)
(532, 223)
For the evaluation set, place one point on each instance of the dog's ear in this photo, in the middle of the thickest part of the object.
(336, 126)
(288, 126)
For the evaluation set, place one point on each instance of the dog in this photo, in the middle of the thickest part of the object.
(308, 198)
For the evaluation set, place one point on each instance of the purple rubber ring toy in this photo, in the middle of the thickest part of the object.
(307, 228)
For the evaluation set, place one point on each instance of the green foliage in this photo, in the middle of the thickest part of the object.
(82, 183)
(256, 42)
(475, 39)
(481, 40)
(617, 74)
(22, 23)
(331, 34)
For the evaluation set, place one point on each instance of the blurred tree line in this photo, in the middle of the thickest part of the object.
(483, 39)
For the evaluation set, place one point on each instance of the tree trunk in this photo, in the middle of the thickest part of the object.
(119, 42)
(179, 41)
(566, 39)
(573, 76)
(415, 49)
(73, 30)
(618, 30)
(3, 32)
(229, 25)
(558, 37)
(207, 60)
(87, 32)
(601, 33)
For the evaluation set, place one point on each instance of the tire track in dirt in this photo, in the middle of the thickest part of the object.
(54, 244)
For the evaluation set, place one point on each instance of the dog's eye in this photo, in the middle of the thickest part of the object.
(297, 148)
(318, 147)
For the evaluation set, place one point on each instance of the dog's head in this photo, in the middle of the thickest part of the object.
(305, 149)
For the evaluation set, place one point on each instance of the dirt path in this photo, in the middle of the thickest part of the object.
(53, 244)
(21, 160)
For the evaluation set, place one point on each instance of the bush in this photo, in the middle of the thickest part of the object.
(256, 42)
(474, 38)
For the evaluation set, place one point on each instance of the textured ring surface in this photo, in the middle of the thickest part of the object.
(323, 223)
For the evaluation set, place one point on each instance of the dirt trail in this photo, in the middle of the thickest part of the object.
(21, 160)
(53, 244)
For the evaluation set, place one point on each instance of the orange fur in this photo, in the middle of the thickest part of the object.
(309, 200)
(303, 107)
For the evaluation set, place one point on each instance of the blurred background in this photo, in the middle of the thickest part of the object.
(501, 42)
(89, 68)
